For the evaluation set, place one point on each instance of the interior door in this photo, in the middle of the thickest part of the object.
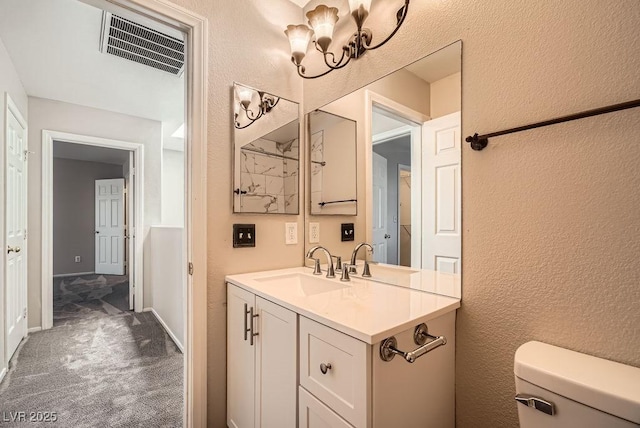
(110, 226)
(380, 235)
(15, 229)
(441, 202)
(130, 234)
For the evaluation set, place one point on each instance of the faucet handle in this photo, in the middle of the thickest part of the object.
(352, 268)
(316, 266)
(366, 273)
(345, 272)
(338, 263)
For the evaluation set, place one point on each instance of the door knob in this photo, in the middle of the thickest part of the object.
(387, 236)
(13, 249)
(97, 231)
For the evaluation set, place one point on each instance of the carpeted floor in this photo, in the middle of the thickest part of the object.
(99, 366)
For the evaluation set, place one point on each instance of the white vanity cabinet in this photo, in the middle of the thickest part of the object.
(345, 383)
(262, 355)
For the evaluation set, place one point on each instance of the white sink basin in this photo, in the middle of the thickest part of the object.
(305, 285)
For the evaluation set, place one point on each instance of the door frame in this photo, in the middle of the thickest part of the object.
(48, 138)
(402, 167)
(415, 119)
(196, 32)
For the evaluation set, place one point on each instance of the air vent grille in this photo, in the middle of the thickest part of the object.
(130, 40)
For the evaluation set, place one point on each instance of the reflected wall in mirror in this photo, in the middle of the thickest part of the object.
(409, 144)
(266, 153)
(332, 156)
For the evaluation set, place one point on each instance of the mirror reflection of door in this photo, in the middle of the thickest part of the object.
(404, 215)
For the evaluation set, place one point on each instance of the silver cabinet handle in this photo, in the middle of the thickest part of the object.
(324, 368)
(251, 317)
(246, 329)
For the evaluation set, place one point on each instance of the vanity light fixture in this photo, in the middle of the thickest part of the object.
(322, 21)
(245, 97)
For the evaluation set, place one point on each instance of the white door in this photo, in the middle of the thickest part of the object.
(130, 234)
(380, 235)
(240, 359)
(441, 202)
(15, 228)
(110, 226)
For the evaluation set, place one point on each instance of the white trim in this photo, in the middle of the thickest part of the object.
(197, 92)
(414, 120)
(34, 330)
(383, 137)
(168, 330)
(47, 213)
(3, 372)
(64, 275)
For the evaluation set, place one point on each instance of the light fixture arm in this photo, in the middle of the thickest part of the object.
(357, 46)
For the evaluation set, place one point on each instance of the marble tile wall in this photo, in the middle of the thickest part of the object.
(270, 179)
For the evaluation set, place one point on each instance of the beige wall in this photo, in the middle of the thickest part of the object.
(446, 95)
(75, 119)
(74, 212)
(9, 84)
(550, 216)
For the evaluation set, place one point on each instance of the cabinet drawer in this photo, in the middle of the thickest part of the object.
(314, 414)
(345, 386)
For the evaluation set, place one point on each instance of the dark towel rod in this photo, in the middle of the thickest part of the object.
(322, 204)
(479, 142)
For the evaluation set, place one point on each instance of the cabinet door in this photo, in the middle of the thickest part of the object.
(314, 414)
(240, 360)
(276, 366)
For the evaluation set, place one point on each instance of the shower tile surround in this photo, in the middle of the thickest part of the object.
(269, 177)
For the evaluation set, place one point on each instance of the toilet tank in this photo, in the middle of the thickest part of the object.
(559, 388)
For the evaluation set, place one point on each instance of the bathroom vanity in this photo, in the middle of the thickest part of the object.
(304, 350)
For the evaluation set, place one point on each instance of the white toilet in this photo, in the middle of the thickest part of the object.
(558, 388)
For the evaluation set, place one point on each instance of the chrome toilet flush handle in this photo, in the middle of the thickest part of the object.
(324, 368)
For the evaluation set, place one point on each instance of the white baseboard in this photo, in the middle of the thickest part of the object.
(2, 373)
(147, 309)
(63, 275)
(168, 330)
(34, 329)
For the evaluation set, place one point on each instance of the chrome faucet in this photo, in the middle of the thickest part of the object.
(330, 271)
(352, 268)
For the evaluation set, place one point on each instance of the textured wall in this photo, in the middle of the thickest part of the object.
(551, 217)
(74, 207)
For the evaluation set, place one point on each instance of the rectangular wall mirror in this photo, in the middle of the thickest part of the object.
(409, 147)
(332, 155)
(266, 153)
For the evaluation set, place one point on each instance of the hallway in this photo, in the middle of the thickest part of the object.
(100, 365)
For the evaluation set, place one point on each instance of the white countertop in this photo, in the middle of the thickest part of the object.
(367, 310)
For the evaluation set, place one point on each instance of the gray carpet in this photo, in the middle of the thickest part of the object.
(99, 366)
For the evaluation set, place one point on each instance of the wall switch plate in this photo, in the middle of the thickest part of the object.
(348, 232)
(77, 259)
(244, 235)
(290, 233)
(314, 233)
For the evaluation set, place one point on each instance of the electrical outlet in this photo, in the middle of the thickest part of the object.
(314, 233)
(290, 233)
(244, 235)
(347, 232)
(78, 259)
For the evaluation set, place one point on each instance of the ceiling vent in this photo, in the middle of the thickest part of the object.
(130, 40)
